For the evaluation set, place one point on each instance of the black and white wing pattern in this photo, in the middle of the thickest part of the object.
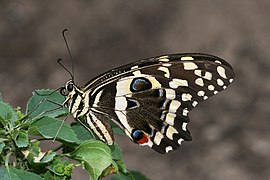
(150, 99)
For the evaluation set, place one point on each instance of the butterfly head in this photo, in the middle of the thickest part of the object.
(68, 88)
(70, 91)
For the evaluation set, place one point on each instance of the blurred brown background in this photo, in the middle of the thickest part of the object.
(231, 131)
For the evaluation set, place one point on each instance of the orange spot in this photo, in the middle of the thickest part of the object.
(143, 140)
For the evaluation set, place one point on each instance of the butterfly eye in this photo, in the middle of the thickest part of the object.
(140, 84)
(70, 87)
(63, 91)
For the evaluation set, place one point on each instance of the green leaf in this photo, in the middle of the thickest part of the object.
(121, 167)
(2, 145)
(36, 157)
(48, 128)
(12, 173)
(95, 155)
(48, 176)
(116, 152)
(7, 114)
(3, 123)
(39, 106)
(48, 157)
(138, 175)
(33, 151)
(122, 177)
(115, 167)
(132, 175)
(82, 133)
(61, 168)
(22, 139)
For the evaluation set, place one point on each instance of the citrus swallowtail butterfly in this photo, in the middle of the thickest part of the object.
(149, 99)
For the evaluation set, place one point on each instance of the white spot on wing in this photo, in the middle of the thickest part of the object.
(170, 131)
(205, 97)
(177, 82)
(168, 148)
(174, 106)
(164, 58)
(166, 64)
(170, 118)
(185, 112)
(120, 103)
(199, 82)
(137, 73)
(170, 94)
(134, 67)
(190, 66)
(211, 87)
(207, 75)
(187, 58)
(158, 138)
(221, 72)
(166, 70)
(186, 97)
(195, 103)
(198, 72)
(201, 93)
(184, 126)
(220, 82)
(180, 141)
(217, 61)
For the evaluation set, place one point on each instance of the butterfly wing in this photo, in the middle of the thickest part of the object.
(150, 99)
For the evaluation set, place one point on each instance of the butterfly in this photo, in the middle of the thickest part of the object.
(149, 99)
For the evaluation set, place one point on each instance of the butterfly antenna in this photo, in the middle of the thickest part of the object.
(59, 62)
(70, 56)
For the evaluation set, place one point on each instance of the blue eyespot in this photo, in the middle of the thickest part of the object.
(140, 84)
(137, 134)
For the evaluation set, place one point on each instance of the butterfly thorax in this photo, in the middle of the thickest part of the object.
(74, 99)
(82, 107)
